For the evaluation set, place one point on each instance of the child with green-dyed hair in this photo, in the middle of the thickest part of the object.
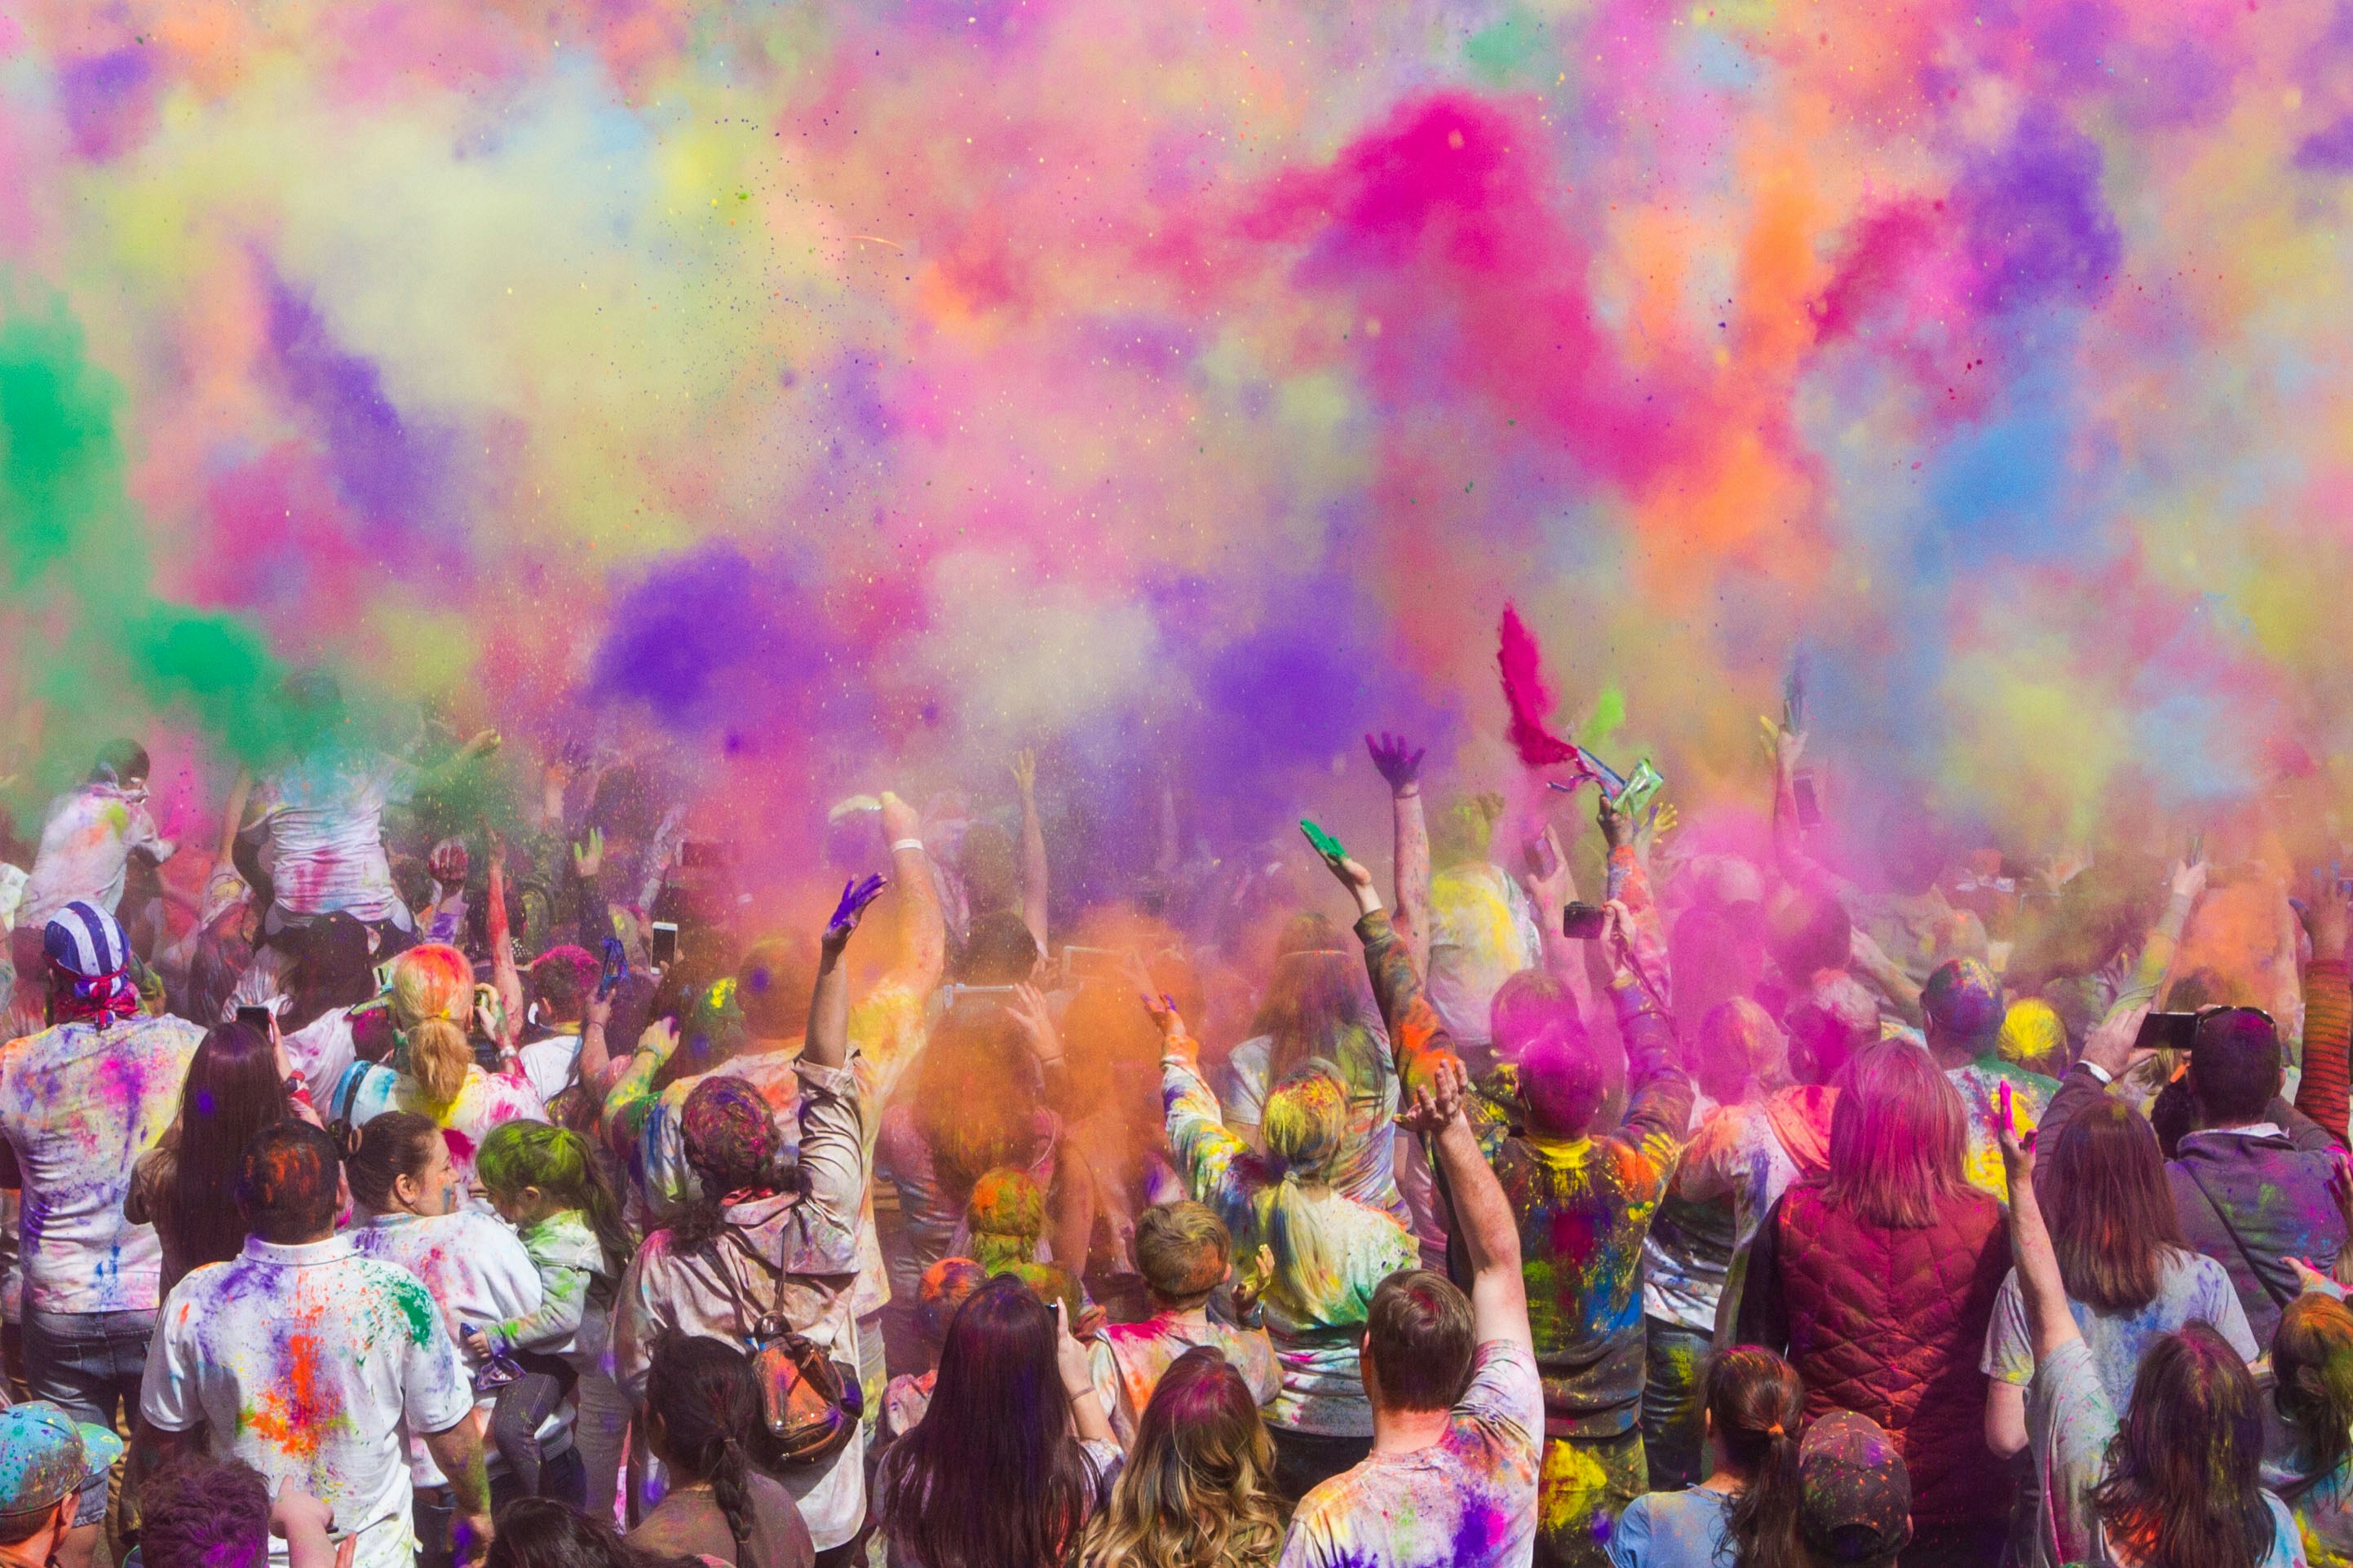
(545, 1182)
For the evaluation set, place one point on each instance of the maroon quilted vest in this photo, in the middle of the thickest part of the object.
(1892, 1324)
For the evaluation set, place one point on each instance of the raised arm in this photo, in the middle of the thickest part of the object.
(504, 973)
(2164, 939)
(1208, 1153)
(827, 1045)
(1658, 1097)
(2049, 1323)
(1482, 1215)
(1551, 892)
(2321, 1093)
(1400, 764)
(1417, 1040)
(923, 933)
(1034, 884)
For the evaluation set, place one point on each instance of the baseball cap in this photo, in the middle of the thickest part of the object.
(46, 1456)
(1856, 1500)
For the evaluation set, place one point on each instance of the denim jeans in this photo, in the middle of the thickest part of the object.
(1674, 1423)
(88, 1362)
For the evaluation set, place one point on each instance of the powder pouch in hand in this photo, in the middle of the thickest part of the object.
(811, 1402)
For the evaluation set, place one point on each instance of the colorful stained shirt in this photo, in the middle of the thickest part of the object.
(78, 1105)
(326, 816)
(486, 1100)
(1748, 1154)
(2191, 1288)
(477, 1271)
(1482, 932)
(2323, 1508)
(86, 847)
(1330, 1252)
(1980, 1085)
(1369, 1170)
(1129, 1359)
(1584, 1207)
(1467, 1501)
(311, 1364)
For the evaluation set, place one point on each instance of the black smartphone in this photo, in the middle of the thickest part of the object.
(617, 967)
(256, 1018)
(1583, 922)
(664, 947)
(2166, 1031)
(1809, 806)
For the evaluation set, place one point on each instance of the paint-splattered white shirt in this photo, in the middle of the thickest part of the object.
(1467, 1501)
(475, 1266)
(79, 1105)
(85, 844)
(311, 1363)
(326, 835)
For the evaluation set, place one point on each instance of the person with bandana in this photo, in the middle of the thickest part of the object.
(80, 1103)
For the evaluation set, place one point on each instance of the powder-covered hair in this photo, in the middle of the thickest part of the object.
(433, 980)
(1898, 1138)
(197, 1512)
(440, 1058)
(1198, 1490)
(2184, 1487)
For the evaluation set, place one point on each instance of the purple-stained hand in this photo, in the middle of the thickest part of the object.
(856, 895)
(1397, 758)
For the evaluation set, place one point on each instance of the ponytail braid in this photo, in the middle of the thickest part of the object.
(705, 1405)
(730, 1487)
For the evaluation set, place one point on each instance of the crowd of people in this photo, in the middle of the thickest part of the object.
(425, 1193)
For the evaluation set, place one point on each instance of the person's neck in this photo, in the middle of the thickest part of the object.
(33, 1551)
(1408, 1431)
(326, 1234)
(1191, 1317)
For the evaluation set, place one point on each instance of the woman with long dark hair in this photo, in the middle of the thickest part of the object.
(1878, 1284)
(1198, 1490)
(186, 1185)
(1015, 1454)
(2131, 1278)
(1747, 1509)
(2175, 1481)
(1319, 1008)
(703, 1417)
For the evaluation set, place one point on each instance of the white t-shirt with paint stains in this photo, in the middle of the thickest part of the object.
(86, 847)
(311, 1363)
(79, 1105)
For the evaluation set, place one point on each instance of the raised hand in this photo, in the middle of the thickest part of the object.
(1438, 1102)
(588, 855)
(1174, 1038)
(1398, 760)
(2110, 1046)
(1024, 771)
(2017, 1148)
(856, 894)
(449, 863)
(1030, 1014)
(2188, 880)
